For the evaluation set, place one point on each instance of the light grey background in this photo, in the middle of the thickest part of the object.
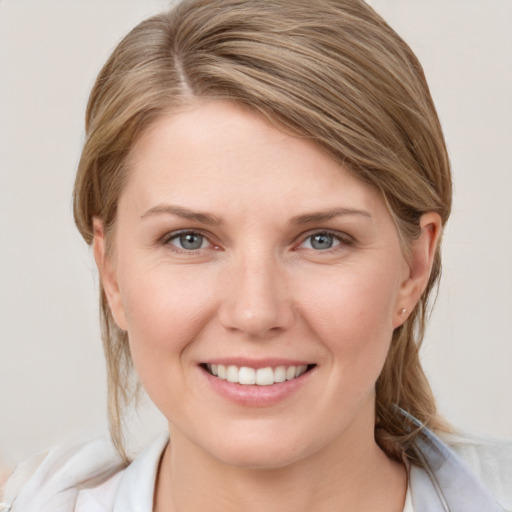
(52, 378)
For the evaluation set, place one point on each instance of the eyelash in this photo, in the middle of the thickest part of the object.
(343, 240)
(176, 235)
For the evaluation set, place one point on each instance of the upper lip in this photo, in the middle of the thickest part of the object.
(257, 363)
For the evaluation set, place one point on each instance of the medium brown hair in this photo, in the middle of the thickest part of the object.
(331, 71)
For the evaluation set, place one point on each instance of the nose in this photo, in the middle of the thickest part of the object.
(256, 299)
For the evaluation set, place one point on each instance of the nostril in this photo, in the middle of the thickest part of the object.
(255, 299)
(258, 319)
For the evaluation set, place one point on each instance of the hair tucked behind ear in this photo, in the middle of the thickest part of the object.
(331, 71)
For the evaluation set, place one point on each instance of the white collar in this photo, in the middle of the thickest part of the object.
(445, 484)
(137, 486)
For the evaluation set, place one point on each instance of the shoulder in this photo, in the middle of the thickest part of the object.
(490, 460)
(57, 480)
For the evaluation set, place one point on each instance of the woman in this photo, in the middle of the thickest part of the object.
(265, 189)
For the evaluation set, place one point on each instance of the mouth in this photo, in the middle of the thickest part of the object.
(247, 376)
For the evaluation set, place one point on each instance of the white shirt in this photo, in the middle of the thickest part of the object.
(91, 478)
(408, 501)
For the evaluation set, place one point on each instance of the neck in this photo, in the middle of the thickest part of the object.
(350, 474)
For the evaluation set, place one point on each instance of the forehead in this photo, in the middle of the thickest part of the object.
(218, 155)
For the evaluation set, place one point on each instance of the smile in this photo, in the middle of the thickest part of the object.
(248, 376)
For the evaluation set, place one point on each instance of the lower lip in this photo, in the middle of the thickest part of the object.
(256, 396)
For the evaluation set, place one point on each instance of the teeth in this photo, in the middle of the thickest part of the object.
(247, 376)
(232, 374)
(280, 374)
(265, 376)
(290, 372)
(261, 377)
(300, 370)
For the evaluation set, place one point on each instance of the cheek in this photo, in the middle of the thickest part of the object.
(352, 313)
(165, 310)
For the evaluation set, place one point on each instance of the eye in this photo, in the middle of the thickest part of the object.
(188, 241)
(323, 241)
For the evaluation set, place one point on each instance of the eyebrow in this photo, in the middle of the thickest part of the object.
(184, 213)
(208, 218)
(322, 216)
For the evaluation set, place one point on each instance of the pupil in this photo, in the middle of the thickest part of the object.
(322, 241)
(191, 241)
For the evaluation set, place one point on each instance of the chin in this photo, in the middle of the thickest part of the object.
(261, 448)
(260, 458)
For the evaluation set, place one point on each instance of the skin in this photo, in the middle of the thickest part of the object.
(259, 288)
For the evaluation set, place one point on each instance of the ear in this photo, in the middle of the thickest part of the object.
(418, 266)
(108, 276)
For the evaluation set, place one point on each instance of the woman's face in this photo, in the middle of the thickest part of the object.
(242, 251)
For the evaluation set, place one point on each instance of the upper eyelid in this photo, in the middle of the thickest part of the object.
(172, 235)
(340, 235)
(178, 232)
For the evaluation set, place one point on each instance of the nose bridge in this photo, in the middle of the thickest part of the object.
(256, 300)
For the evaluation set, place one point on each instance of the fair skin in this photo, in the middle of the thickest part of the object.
(239, 245)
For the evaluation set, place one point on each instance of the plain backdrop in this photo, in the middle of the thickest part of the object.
(52, 377)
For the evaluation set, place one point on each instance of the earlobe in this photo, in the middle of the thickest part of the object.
(419, 266)
(107, 274)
